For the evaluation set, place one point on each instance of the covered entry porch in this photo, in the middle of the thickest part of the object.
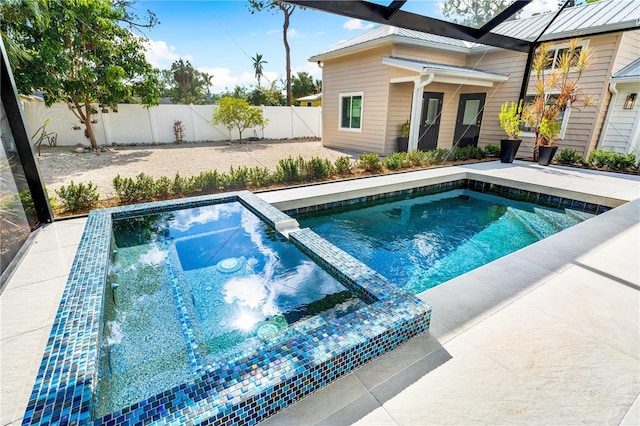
(446, 101)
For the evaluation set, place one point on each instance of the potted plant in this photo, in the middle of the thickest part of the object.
(557, 88)
(403, 139)
(510, 117)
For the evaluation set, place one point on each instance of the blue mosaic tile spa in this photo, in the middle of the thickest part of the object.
(210, 351)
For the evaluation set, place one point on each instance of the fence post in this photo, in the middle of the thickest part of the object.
(152, 124)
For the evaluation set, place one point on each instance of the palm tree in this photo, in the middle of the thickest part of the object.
(258, 62)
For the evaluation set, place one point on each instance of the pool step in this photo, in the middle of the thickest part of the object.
(558, 219)
(578, 215)
(536, 224)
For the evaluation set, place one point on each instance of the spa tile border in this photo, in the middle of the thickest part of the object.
(236, 391)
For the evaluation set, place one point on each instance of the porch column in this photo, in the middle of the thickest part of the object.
(416, 108)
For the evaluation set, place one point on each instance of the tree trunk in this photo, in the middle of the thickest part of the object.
(89, 126)
(287, 50)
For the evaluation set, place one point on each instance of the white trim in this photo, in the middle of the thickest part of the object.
(557, 46)
(347, 95)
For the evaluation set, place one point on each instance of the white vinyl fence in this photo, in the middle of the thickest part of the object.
(139, 125)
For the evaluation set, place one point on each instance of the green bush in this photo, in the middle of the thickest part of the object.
(163, 187)
(260, 176)
(395, 161)
(491, 150)
(127, 189)
(317, 168)
(467, 153)
(370, 162)
(612, 160)
(236, 178)
(208, 181)
(343, 165)
(416, 158)
(76, 197)
(569, 156)
(181, 185)
(289, 170)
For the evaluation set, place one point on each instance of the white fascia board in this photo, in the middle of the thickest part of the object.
(462, 81)
(624, 80)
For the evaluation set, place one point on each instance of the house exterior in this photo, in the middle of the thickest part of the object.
(621, 130)
(452, 90)
(311, 100)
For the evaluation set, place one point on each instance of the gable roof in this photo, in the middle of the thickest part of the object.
(601, 16)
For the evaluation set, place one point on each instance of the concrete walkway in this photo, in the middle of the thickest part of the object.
(549, 334)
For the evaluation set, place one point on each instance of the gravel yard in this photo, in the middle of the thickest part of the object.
(61, 165)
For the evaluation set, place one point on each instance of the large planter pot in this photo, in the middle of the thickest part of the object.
(508, 149)
(403, 144)
(545, 154)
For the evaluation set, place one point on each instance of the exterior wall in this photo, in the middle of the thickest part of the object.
(136, 124)
(359, 72)
(430, 55)
(505, 62)
(621, 133)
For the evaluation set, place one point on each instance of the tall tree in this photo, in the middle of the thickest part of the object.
(318, 86)
(302, 85)
(474, 13)
(84, 55)
(287, 10)
(258, 62)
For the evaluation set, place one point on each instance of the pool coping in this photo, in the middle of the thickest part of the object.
(234, 393)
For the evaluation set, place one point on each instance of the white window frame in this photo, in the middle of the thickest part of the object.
(556, 47)
(565, 119)
(343, 95)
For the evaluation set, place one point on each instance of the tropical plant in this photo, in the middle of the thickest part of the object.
(258, 62)
(404, 129)
(510, 119)
(556, 89)
(395, 161)
(287, 10)
(82, 53)
(343, 165)
(237, 113)
(260, 176)
(289, 169)
(302, 85)
(317, 168)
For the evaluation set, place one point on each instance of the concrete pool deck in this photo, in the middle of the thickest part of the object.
(549, 334)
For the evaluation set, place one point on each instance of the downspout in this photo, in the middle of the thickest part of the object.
(607, 123)
(416, 110)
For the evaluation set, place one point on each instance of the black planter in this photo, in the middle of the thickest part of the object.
(403, 144)
(545, 154)
(508, 149)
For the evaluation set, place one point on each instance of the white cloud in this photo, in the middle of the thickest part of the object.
(310, 67)
(357, 24)
(293, 33)
(272, 32)
(161, 55)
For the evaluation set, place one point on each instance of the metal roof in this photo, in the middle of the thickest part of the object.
(630, 73)
(602, 16)
(576, 21)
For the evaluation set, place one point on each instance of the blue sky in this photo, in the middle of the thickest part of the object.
(221, 36)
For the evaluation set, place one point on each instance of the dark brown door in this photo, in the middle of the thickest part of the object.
(430, 123)
(469, 119)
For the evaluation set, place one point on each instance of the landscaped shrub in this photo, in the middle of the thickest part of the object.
(416, 158)
(370, 162)
(466, 153)
(260, 176)
(612, 160)
(317, 168)
(163, 187)
(209, 181)
(180, 185)
(235, 178)
(343, 165)
(76, 197)
(128, 190)
(569, 156)
(289, 170)
(491, 150)
(395, 161)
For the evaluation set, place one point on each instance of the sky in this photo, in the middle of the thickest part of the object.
(221, 36)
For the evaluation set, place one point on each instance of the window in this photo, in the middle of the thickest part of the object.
(556, 52)
(563, 117)
(351, 111)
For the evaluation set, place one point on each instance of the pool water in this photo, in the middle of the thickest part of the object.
(420, 242)
(193, 288)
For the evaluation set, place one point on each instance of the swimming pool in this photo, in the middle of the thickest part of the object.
(420, 241)
(209, 379)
